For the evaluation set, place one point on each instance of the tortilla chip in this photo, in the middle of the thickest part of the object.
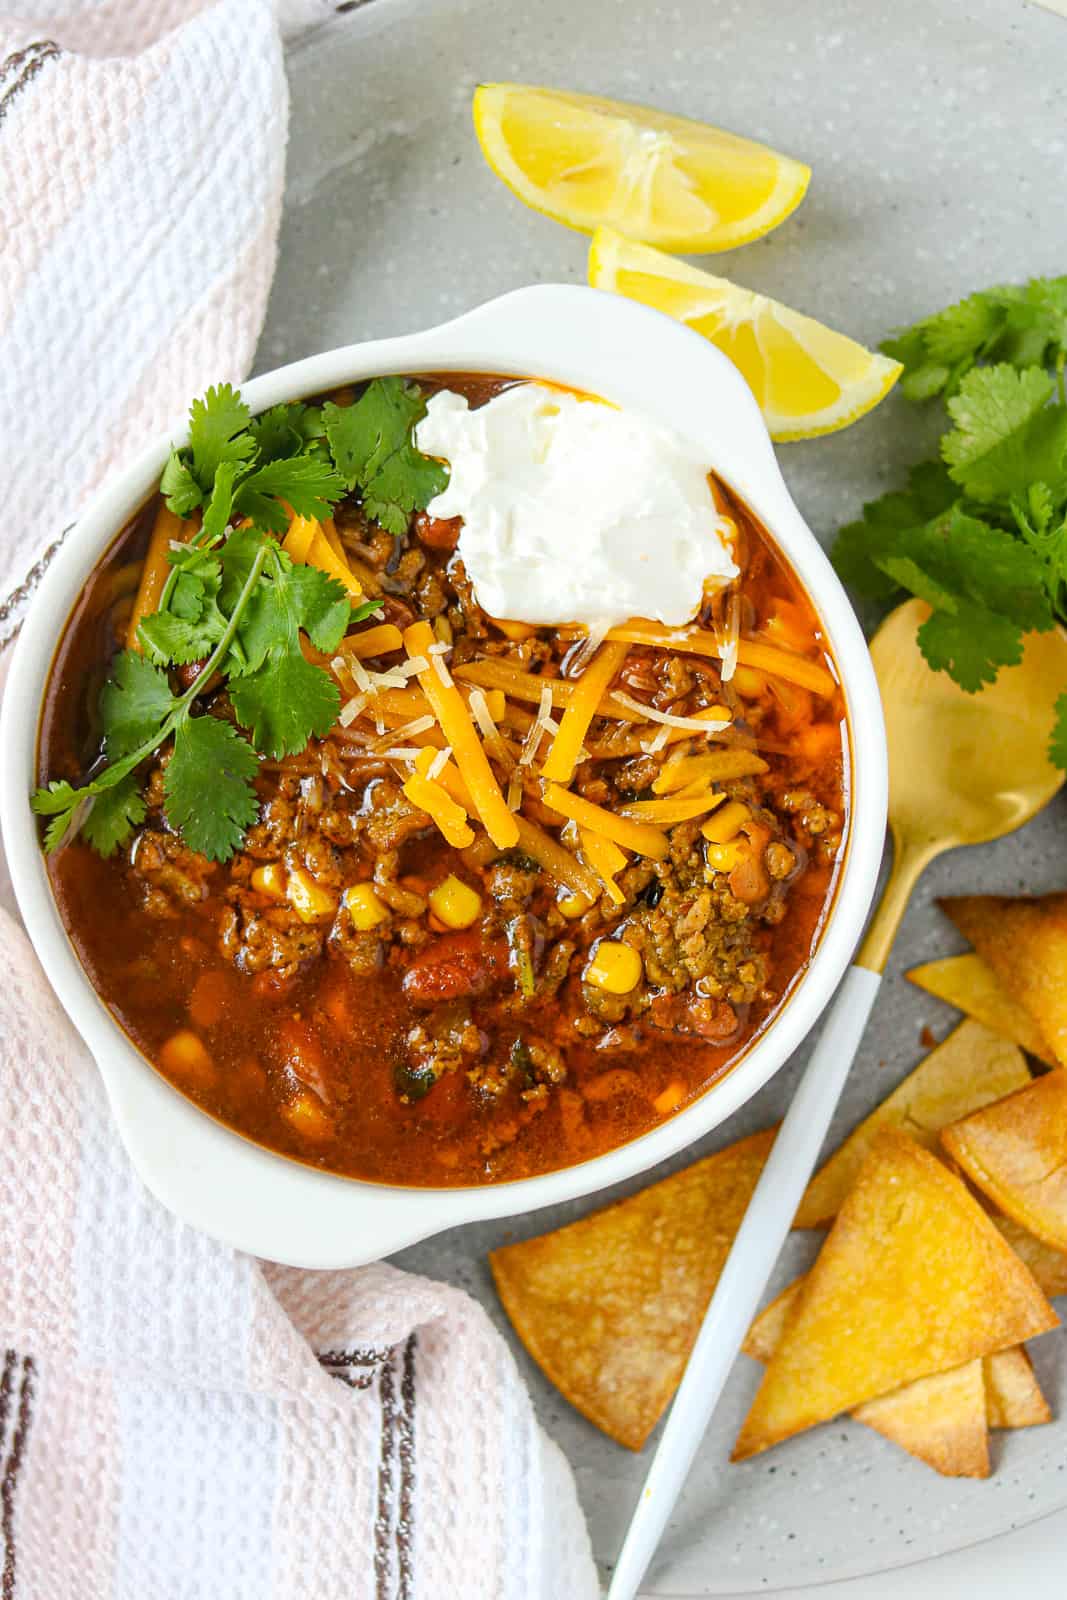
(933, 1419)
(913, 1279)
(1013, 1397)
(1016, 1152)
(941, 1420)
(1048, 1266)
(609, 1306)
(765, 1334)
(1025, 943)
(972, 1067)
(973, 988)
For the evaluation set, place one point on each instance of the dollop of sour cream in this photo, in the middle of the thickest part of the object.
(574, 511)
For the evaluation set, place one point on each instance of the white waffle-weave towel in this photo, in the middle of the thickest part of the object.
(177, 1421)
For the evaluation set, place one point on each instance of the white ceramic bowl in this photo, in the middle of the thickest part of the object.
(262, 1202)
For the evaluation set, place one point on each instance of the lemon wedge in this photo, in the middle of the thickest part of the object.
(807, 378)
(675, 183)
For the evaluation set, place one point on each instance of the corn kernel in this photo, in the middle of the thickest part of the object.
(455, 902)
(309, 899)
(725, 857)
(364, 907)
(307, 1117)
(748, 682)
(615, 967)
(184, 1055)
(574, 905)
(670, 1098)
(726, 822)
(270, 880)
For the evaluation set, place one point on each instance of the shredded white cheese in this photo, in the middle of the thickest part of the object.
(351, 709)
(439, 762)
(668, 718)
(440, 668)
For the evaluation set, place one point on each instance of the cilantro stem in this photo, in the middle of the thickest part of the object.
(115, 774)
(1060, 359)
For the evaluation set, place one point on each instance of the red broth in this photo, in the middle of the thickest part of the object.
(409, 1053)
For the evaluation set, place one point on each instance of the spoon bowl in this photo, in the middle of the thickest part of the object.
(963, 768)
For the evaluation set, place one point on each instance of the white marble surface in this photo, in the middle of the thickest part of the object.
(937, 134)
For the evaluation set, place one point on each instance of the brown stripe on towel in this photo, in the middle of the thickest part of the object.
(363, 1356)
(7, 1384)
(405, 1529)
(383, 1522)
(12, 1466)
(11, 606)
(20, 69)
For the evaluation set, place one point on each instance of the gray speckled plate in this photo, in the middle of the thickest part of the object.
(936, 130)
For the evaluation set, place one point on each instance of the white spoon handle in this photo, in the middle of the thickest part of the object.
(744, 1278)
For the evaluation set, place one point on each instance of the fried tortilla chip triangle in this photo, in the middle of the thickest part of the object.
(1016, 1152)
(941, 1420)
(1012, 1393)
(1048, 1266)
(1025, 943)
(913, 1279)
(609, 1306)
(972, 1067)
(967, 983)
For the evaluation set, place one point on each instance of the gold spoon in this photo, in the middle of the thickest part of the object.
(963, 769)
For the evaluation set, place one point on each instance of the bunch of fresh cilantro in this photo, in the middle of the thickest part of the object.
(235, 602)
(981, 534)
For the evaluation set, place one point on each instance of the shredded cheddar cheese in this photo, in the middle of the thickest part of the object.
(379, 641)
(638, 836)
(716, 767)
(450, 709)
(679, 808)
(606, 860)
(308, 545)
(589, 690)
(557, 861)
(528, 686)
(448, 814)
(750, 652)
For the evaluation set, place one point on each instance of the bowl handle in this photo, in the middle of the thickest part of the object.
(252, 1198)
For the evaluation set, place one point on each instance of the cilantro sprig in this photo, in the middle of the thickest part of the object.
(235, 603)
(981, 533)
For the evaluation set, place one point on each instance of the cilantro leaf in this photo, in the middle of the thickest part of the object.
(218, 432)
(219, 507)
(208, 786)
(309, 485)
(372, 446)
(167, 638)
(1057, 749)
(53, 798)
(861, 544)
(134, 702)
(285, 701)
(407, 482)
(1022, 325)
(236, 560)
(113, 814)
(178, 486)
(971, 644)
(1006, 435)
(321, 604)
(277, 432)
